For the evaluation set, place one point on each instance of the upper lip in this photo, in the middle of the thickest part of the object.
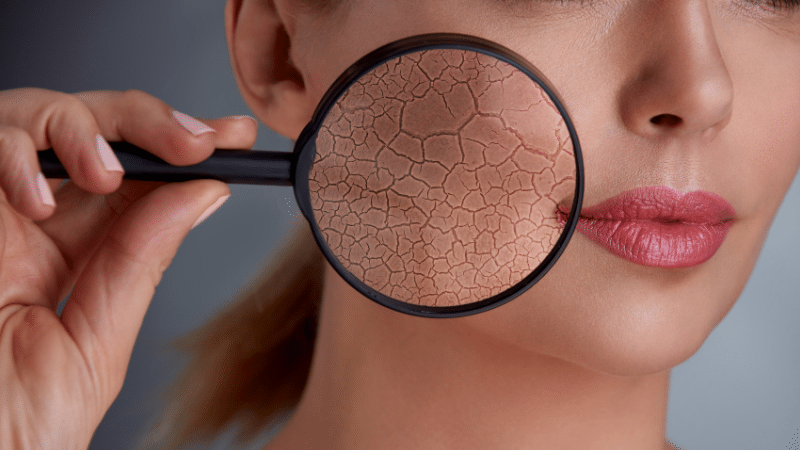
(663, 204)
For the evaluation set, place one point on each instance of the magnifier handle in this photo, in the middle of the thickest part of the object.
(229, 166)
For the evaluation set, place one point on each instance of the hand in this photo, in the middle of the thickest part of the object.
(105, 240)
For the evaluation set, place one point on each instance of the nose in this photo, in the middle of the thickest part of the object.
(680, 85)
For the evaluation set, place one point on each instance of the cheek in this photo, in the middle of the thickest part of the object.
(765, 149)
(763, 137)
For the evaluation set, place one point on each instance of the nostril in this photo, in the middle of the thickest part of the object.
(666, 120)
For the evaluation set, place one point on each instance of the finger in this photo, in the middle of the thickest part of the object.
(236, 132)
(61, 121)
(149, 123)
(23, 185)
(82, 219)
(107, 305)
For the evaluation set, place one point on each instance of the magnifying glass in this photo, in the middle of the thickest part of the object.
(440, 174)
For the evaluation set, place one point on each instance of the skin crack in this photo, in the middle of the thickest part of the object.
(437, 177)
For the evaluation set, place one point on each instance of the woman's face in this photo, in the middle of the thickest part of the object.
(693, 95)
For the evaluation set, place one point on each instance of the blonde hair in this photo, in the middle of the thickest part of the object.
(249, 365)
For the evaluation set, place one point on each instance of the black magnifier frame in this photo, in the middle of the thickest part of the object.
(293, 168)
(306, 148)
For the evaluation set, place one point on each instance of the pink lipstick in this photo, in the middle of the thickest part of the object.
(657, 226)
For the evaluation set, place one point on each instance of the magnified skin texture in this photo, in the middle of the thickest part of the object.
(438, 175)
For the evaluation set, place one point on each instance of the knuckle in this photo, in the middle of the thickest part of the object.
(36, 110)
(134, 98)
(92, 98)
(69, 103)
(68, 114)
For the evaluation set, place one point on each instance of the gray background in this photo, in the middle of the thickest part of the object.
(740, 391)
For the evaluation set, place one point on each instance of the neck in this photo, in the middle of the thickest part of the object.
(381, 379)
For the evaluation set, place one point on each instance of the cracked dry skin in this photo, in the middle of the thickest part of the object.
(437, 177)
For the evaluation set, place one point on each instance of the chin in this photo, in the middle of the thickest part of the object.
(642, 341)
(612, 316)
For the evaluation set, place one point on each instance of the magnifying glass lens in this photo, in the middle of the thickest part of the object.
(444, 179)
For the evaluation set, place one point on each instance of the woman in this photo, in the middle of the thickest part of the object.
(674, 94)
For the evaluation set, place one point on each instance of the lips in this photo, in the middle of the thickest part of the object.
(657, 226)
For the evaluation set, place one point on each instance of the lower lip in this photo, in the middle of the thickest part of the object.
(688, 231)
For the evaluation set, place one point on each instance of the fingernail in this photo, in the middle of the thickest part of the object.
(210, 210)
(45, 194)
(190, 123)
(243, 117)
(107, 155)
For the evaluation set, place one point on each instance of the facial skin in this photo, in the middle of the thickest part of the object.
(457, 207)
(689, 94)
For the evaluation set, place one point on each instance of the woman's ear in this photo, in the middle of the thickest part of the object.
(259, 43)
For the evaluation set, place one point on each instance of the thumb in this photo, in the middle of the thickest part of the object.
(107, 306)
